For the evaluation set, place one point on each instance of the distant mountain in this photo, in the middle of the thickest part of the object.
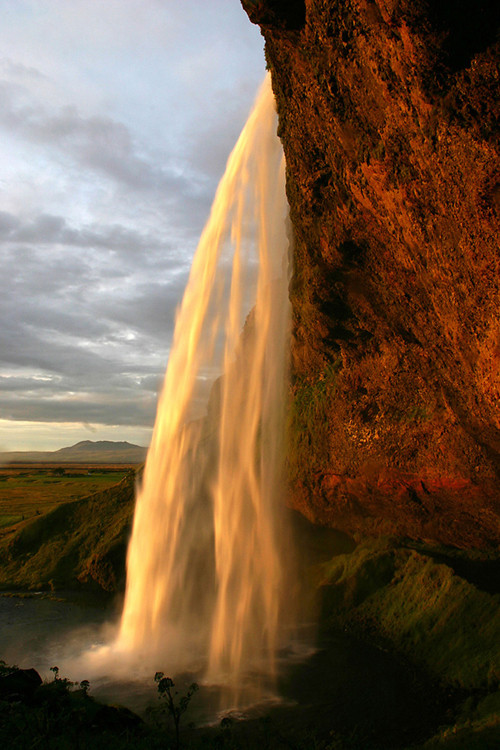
(86, 451)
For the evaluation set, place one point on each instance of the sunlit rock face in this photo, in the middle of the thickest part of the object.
(388, 116)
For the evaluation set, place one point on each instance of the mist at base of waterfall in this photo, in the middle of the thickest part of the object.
(41, 632)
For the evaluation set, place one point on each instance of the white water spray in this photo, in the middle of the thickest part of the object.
(205, 563)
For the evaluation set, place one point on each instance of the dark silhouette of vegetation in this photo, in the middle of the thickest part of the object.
(175, 707)
(61, 715)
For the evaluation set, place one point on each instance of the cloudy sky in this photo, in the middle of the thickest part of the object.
(116, 119)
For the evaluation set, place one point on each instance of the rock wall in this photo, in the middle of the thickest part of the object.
(388, 114)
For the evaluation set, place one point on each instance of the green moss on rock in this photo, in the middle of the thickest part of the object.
(421, 607)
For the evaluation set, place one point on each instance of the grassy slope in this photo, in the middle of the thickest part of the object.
(79, 542)
(419, 607)
(33, 491)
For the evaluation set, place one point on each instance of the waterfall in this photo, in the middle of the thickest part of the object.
(205, 565)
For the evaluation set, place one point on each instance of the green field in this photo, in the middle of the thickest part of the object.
(26, 492)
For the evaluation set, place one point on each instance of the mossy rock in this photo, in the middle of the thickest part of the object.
(421, 608)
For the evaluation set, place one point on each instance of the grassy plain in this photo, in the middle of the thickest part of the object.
(33, 490)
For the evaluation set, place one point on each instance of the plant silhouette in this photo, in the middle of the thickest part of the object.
(175, 707)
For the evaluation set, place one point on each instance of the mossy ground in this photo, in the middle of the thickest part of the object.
(407, 600)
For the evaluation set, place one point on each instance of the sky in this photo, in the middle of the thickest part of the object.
(116, 120)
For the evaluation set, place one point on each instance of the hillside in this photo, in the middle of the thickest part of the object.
(79, 543)
(84, 452)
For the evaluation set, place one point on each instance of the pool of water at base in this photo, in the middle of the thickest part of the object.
(41, 631)
(344, 685)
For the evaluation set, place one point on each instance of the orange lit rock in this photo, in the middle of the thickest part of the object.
(389, 120)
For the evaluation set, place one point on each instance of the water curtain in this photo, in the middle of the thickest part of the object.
(205, 567)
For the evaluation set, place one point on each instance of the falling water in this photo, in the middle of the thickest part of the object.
(205, 562)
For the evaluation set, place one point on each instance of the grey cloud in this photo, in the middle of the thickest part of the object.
(8, 223)
(85, 348)
(27, 384)
(75, 340)
(29, 347)
(210, 143)
(99, 143)
(57, 313)
(120, 400)
(150, 308)
(75, 385)
(110, 206)
(44, 383)
(32, 272)
(138, 378)
(54, 321)
(49, 229)
(109, 410)
(138, 381)
(14, 69)
(44, 229)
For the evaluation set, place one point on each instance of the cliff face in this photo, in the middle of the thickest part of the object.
(388, 113)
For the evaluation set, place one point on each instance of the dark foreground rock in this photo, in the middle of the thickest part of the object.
(19, 685)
